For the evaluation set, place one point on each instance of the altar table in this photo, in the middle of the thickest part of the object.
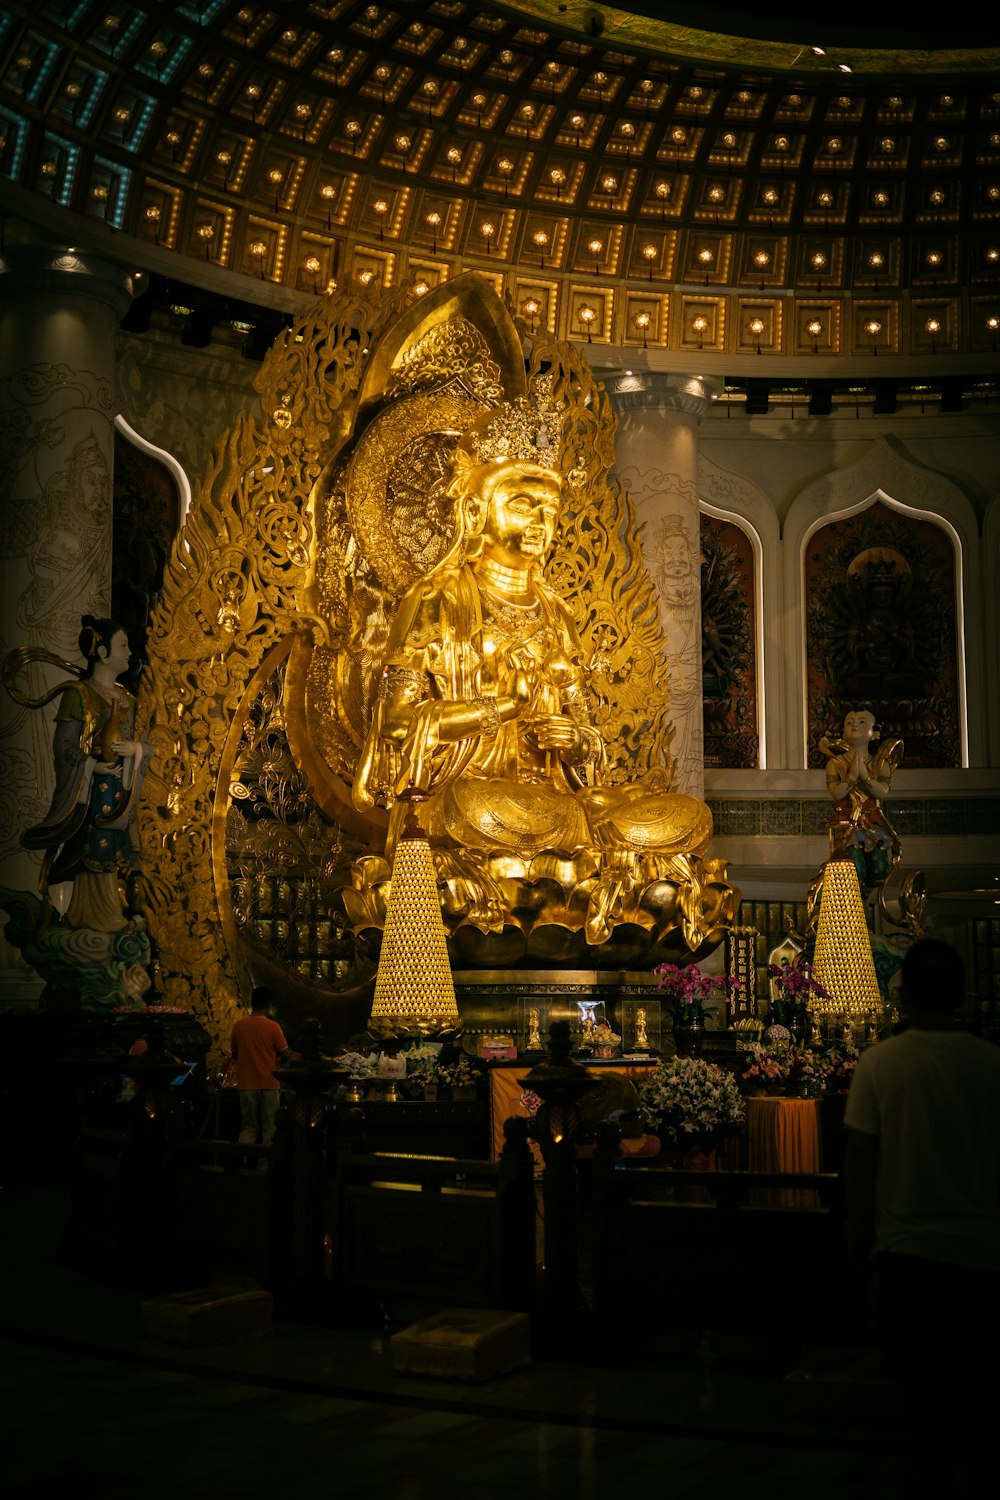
(507, 1084)
(781, 1135)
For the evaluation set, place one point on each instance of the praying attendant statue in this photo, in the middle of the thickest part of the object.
(484, 712)
(858, 779)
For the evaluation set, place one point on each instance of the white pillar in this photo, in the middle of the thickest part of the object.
(59, 310)
(657, 461)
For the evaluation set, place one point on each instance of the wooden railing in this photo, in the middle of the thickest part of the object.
(455, 1231)
(709, 1250)
(329, 1226)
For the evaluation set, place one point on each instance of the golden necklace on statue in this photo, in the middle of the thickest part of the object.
(511, 616)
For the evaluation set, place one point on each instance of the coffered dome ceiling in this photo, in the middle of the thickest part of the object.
(622, 178)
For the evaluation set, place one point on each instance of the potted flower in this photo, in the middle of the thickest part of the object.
(685, 992)
(794, 985)
(774, 1067)
(459, 1076)
(807, 1073)
(767, 1067)
(692, 1104)
(840, 1058)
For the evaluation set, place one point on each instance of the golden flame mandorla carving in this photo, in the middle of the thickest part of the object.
(267, 644)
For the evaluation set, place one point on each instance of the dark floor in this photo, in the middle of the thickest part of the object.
(87, 1398)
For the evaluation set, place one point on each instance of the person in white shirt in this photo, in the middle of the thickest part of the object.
(923, 1192)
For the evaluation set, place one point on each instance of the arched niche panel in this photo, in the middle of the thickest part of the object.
(731, 627)
(883, 631)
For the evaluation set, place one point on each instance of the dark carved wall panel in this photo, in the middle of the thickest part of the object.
(728, 646)
(881, 632)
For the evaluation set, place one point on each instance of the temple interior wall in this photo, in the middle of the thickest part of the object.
(782, 475)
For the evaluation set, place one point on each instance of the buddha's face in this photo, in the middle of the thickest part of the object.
(521, 516)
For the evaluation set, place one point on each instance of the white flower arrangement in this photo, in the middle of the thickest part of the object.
(689, 1100)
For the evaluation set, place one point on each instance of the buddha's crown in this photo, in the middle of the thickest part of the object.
(522, 431)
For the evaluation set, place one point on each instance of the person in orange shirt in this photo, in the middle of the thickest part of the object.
(258, 1045)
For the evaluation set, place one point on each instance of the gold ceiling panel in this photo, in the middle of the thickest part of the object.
(160, 215)
(653, 256)
(544, 242)
(718, 199)
(373, 270)
(763, 260)
(317, 266)
(874, 327)
(591, 310)
(821, 261)
(773, 201)
(210, 231)
(707, 258)
(816, 327)
(702, 323)
(984, 332)
(209, 126)
(934, 325)
(536, 302)
(427, 274)
(758, 326)
(645, 320)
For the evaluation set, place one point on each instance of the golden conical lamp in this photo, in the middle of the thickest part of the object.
(843, 959)
(414, 990)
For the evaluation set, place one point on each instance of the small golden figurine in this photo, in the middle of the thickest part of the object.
(641, 1039)
(534, 1037)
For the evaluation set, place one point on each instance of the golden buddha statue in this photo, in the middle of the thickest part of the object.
(484, 709)
(359, 595)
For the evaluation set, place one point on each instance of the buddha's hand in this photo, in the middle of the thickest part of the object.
(557, 732)
(521, 689)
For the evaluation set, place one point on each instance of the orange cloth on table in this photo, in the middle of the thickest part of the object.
(257, 1043)
(783, 1135)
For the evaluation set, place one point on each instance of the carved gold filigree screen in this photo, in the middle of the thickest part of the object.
(308, 526)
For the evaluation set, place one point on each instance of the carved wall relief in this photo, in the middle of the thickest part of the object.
(881, 632)
(729, 671)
